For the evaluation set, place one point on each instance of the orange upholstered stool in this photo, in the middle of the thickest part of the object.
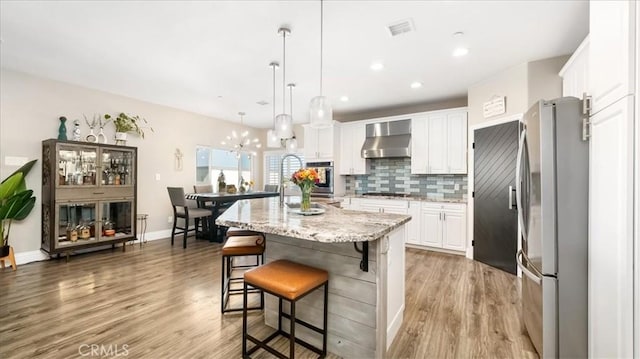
(289, 281)
(236, 232)
(239, 247)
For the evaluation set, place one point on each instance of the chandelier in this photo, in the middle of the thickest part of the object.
(240, 142)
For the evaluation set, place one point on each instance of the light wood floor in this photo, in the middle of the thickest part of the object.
(163, 302)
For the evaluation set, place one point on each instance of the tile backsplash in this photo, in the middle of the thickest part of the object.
(394, 175)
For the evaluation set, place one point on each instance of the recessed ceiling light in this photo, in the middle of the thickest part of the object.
(344, 98)
(458, 34)
(416, 85)
(377, 66)
(460, 51)
(262, 103)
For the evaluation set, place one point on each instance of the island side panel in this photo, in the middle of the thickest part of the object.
(353, 302)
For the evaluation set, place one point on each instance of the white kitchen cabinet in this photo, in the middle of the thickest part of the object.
(431, 226)
(383, 205)
(439, 142)
(612, 57)
(575, 73)
(454, 229)
(352, 136)
(611, 51)
(319, 143)
(444, 226)
(457, 142)
(413, 227)
(611, 232)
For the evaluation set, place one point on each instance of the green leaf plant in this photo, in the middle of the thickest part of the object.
(16, 201)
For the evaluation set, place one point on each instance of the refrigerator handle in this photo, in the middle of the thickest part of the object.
(523, 137)
(535, 277)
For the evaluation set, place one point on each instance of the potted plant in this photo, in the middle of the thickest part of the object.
(128, 124)
(16, 202)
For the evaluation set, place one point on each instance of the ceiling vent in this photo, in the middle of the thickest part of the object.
(401, 27)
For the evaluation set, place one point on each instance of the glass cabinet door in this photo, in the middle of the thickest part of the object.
(76, 165)
(117, 219)
(117, 167)
(76, 223)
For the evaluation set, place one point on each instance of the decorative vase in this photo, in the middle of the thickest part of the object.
(121, 138)
(101, 138)
(305, 204)
(91, 137)
(62, 129)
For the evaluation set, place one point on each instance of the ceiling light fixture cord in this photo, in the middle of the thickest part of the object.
(273, 66)
(321, 38)
(284, 68)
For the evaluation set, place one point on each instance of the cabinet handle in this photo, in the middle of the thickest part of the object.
(444, 215)
(440, 216)
(98, 192)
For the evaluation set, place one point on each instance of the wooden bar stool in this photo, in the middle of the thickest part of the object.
(239, 246)
(290, 281)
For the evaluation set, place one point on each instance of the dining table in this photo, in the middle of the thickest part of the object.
(217, 202)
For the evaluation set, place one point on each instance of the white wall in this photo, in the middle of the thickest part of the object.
(511, 83)
(543, 79)
(29, 111)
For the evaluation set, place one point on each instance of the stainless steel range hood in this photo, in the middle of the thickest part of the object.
(387, 139)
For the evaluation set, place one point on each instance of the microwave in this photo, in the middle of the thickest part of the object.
(324, 187)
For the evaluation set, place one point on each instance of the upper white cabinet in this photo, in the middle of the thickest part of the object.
(611, 51)
(575, 73)
(439, 142)
(319, 143)
(352, 136)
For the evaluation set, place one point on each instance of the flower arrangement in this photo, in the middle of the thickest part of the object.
(306, 179)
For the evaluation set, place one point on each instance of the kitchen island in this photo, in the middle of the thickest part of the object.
(364, 255)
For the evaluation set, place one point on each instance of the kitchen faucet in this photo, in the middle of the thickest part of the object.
(281, 175)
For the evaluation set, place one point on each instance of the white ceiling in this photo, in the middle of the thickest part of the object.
(212, 57)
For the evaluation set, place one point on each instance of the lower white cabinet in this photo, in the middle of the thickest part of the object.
(433, 224)
(413, 227)
(443, 225)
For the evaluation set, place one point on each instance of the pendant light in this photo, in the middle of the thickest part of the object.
(284, 122)
(292, 143)
(320, 111)
(273, 141)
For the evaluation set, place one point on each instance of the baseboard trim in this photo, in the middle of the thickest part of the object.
(30, 256)
(441, 250)
(39, 255)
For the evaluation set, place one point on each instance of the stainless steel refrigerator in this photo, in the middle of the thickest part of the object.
(552, 198)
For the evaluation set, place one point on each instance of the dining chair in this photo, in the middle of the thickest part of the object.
(271, 188)
(182, 210)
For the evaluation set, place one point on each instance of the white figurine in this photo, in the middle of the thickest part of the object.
(76, 130)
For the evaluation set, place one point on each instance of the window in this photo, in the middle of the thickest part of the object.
(210, 162)
(272, 166)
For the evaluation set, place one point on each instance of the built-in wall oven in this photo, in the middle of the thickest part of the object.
(324, 188)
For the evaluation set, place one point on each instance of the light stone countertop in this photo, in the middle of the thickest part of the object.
(335, 225)
(410, 198)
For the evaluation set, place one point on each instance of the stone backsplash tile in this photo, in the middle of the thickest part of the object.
(394, 175)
